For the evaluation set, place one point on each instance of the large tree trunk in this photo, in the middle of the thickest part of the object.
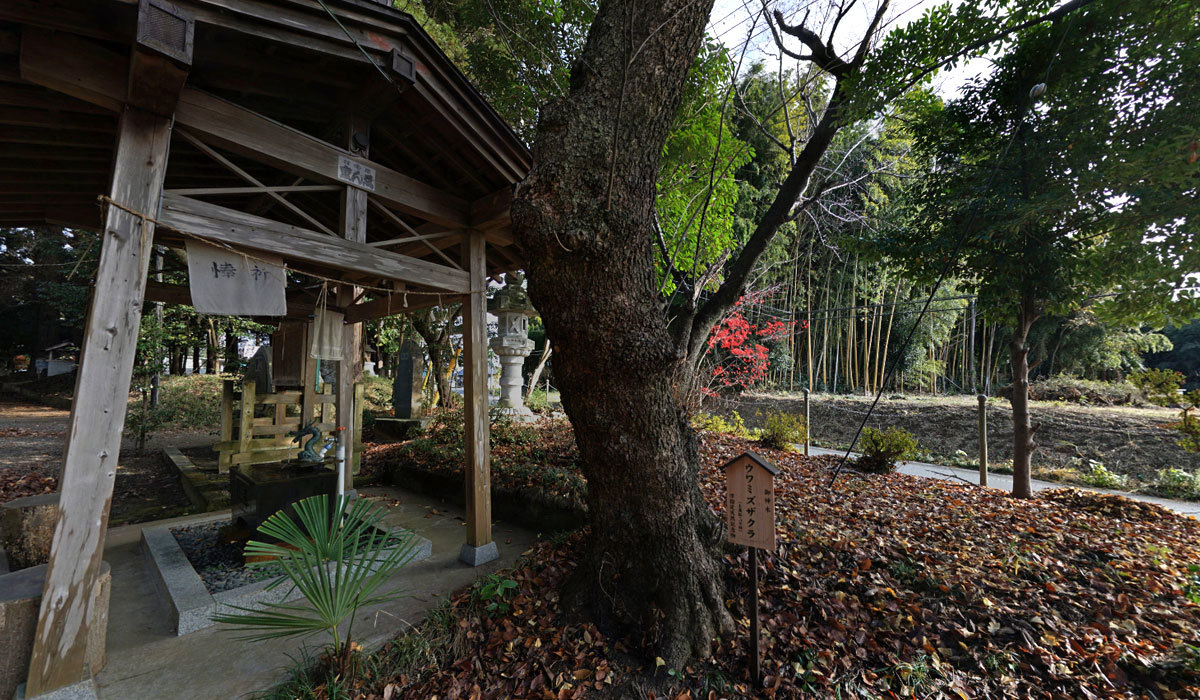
(584, 218)
(1023, 445)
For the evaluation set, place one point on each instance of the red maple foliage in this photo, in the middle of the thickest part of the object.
(741, 358)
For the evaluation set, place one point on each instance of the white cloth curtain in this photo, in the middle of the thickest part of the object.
(228, 283)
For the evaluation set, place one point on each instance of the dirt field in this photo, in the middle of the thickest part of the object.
(32, 437)
(1125, 439)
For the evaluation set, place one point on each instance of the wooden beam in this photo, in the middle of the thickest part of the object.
(352, 225)
(395, 303)
(299, 305)
(493, 211)
(391, 216)
(475, 401)
(255, 136)
(223, 225)
(74, 66)
(212, 191)
(162, 53)
(411, 239)
(90, 72)
(98, 412)
(233, 167)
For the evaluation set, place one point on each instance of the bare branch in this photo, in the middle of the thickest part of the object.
(865, 44)
(822, 54)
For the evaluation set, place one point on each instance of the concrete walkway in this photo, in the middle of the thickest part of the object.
(1004, 481)
(146, 661)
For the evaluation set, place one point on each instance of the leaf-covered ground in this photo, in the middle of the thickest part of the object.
(540, 456)
(882, 586)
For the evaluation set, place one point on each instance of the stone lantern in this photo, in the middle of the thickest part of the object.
(512, 344)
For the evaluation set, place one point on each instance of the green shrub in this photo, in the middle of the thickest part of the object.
(362, 556)
(1159, 386)
(377, 399)
(783, 431)
(1175, 483)
(538, 401)
(881, 449)
(494, 590)
(733, 425)
(506, 431)
(1099, 475)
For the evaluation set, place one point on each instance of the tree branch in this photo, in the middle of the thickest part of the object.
(1051, 16)
(822, 54)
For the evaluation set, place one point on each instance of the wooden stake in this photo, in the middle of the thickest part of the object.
(807, 423)
(755, 646)
(983, 455)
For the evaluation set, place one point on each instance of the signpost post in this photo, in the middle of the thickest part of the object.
(750, 514)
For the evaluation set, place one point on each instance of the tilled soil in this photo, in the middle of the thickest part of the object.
(1127, 440)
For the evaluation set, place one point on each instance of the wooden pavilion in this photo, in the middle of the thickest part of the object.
(333, 134)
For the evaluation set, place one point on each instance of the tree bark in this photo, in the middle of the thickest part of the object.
(211, 361)
(434, 327)
(585, 219)
(1023, 444)
(231, 347)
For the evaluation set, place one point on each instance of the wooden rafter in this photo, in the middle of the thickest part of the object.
(90, 72)
(232, 227)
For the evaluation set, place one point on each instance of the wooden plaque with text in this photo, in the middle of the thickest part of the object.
(750, 501)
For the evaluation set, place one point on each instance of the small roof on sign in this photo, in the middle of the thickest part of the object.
(752, 455)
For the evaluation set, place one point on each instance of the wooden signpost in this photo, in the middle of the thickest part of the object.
(750, 514)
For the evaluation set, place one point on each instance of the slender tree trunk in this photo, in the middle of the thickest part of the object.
(212, 361)
(1023, 444)
(537, 370)
(434, 327)
(584, 217)
(231, 347)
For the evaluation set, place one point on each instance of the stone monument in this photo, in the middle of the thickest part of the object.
(408, 398)
(512, 344)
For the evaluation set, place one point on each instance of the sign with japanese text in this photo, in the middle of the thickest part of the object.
(229, 283)
(355, 173)
(750, 501)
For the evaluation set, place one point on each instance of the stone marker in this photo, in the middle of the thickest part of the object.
(407, 396)
(27, 528)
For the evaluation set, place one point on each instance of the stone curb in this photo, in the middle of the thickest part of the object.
(191, 606)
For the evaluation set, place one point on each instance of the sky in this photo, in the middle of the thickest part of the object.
(733, 20)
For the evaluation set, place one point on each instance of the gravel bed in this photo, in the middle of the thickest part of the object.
(220, 566)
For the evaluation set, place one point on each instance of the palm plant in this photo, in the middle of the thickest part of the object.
(337, 563)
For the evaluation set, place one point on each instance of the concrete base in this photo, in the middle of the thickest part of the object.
(478, 556)
(190, 605)
(20, 599)
(83, 690)
(517, 414)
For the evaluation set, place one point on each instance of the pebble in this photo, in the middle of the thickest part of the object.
(220, 566)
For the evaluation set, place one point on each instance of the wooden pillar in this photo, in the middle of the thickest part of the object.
(98, 412)
(479, 547)
(353, 226)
